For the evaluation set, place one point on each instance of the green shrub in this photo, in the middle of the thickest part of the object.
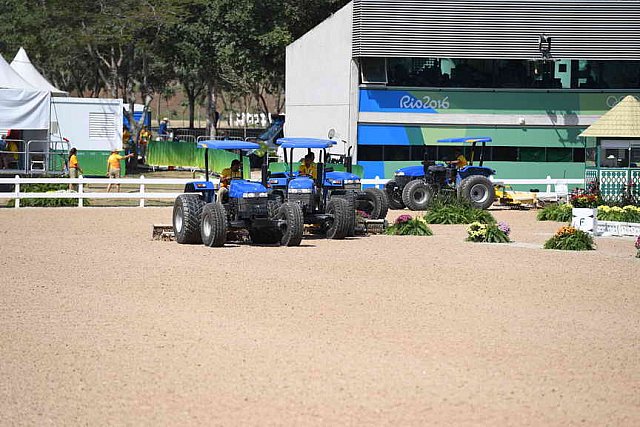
(559, 213)
(405, 225)
(570, 239)
(46, 203)
(450, 210)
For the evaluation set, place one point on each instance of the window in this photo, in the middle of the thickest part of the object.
(501, 73)
(614, 153)
(532, 154)
(559, 155)
(417, 152)
(370, 153)
(397, 153)
(579, 155)
(504, 154)
(635, 154)
(590, 156)
(374, 70)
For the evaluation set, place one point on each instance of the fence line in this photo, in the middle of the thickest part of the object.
(143, 195)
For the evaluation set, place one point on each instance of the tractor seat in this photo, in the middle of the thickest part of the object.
(437, 168)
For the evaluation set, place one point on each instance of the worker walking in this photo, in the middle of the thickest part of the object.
(74, 168)
(113, 166)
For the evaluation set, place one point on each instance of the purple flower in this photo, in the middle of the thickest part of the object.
(403, 218)
(638, 243)
(504, 227)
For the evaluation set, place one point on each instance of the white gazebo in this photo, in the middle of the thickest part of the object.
(22, 65)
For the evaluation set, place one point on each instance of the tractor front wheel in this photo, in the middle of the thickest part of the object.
(417, 195)
(374, 202)
(292, 231)
(187, 211)
(394, 195)
(478, 190)
(342, 222)
(214, 225)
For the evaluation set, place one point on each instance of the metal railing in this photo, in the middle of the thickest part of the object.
(31, 160)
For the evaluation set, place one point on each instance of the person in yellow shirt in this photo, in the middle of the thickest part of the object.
(308, 167)
(460, 160)
(74, 167)
(227, 174)
(113, 166)
(145, 137)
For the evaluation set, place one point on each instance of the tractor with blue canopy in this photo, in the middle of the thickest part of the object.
(204, 214)
(415, 186)
(324, 200)
(337, 183)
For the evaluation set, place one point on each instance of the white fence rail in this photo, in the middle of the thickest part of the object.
(142, 194)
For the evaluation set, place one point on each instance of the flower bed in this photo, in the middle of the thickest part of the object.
(406, 225)
(618, 214)
(488, 233)
(570, 239)
(559, 213)
(638, 247)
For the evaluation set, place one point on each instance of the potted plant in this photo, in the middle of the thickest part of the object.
(584, 211)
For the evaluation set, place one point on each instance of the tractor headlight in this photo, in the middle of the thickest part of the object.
(273, 181)
(300, 190)
(253, 195)
(399, 173)
(352, 181)
(335, 181)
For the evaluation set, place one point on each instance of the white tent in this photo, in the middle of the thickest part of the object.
(21, 105)
(23, 66)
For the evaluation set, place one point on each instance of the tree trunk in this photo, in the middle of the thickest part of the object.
(191, 98)
(211, 108)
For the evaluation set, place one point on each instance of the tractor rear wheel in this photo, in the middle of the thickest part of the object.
(417, 195)
(394, 195)
(187, 211)
(374, 202)
(214, 225)
(478, 190)
(343, 218)
(292, 232)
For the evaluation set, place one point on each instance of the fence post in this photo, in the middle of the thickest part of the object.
(548, 184)
(80, 191)
(17, 190)
(376, 184)
(142, 191)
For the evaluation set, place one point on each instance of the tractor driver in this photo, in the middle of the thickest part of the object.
(308, 167)
(227, 175)
(460, 160)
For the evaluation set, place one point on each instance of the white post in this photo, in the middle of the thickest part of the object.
(548, 184)
(17, 190)
(377, 178)
(80, 191)
(142, 191)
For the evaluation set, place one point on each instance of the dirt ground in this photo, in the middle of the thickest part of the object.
(101, 325)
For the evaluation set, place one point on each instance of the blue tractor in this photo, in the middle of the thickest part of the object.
(338, 184)
(415, 186)
(325, 201)
(205, 215)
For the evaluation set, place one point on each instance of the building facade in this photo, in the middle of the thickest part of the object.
(394, 77)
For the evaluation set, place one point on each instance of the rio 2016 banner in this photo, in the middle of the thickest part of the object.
(457, 101)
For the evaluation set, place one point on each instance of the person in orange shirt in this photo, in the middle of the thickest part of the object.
(74, 167)
(113, 166)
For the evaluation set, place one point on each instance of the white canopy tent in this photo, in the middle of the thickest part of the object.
(22, 65)
(21, 105)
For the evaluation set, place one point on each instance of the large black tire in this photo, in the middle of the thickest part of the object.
(394, 196)
(374, 202)
(292, 232)
(343, 214)
(478, 190)
(350, 199)
(213, 228)
(187, 211)
(417, 195)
